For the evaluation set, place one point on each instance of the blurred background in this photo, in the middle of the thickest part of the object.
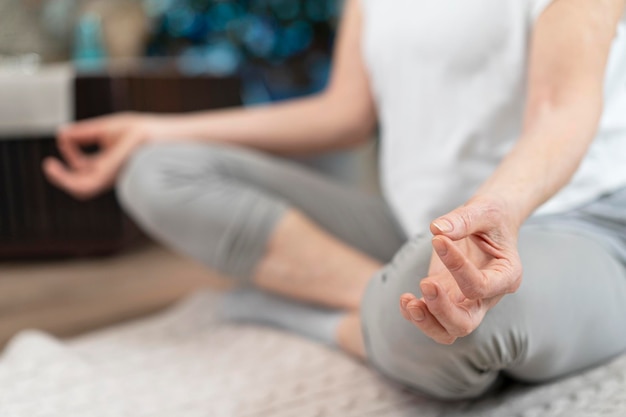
(279, 48)
(68, 266)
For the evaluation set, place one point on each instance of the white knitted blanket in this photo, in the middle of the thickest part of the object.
(186, 363)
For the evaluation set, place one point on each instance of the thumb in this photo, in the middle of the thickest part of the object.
(461, 222)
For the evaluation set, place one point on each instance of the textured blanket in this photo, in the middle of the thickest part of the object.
(186, 363)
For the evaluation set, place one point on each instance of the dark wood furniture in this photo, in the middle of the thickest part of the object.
(37, 219)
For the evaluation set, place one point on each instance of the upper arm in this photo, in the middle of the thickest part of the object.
(349, 82)
(570, 45)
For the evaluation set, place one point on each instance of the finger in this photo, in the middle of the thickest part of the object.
(80, 185)
(71, 137)
(84, 131)
(463, 222)
(472, 282)
(73, 155)
(405, 299)
(427, 323)
(458, 319)
(505, 272)
(107, 165)
(499, 277)
(436, 266)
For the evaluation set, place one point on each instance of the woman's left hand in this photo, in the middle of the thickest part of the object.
(474, 264)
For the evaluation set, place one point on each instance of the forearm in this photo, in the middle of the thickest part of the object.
(545, 158)
(316, 124)
(570, 47)
(340, 117)
(477, 242)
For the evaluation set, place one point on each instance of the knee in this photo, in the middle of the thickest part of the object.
(132, 179)
(138, 184)
(465, 370)
(157, 177)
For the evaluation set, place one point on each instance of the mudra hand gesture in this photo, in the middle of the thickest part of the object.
(474, 264)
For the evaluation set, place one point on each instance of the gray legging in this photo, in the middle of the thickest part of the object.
(219, 205)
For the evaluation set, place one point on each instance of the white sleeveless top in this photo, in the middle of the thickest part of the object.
(449, 81)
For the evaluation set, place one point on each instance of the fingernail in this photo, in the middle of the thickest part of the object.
(416, 314)
(404, 302)
(440, 247)
(445, 226)
(429, 291)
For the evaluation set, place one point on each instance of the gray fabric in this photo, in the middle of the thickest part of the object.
(250, 305)
(219, 204)
(603, 219)
(569, 314)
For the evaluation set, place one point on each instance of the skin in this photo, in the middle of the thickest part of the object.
(475, 260)
(341, 116)
(476, 245)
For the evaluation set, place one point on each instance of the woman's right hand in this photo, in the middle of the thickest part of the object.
(475, 263)
(87, 175)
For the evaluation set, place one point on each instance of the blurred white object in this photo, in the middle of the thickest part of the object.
(34, 100)
(26, 63)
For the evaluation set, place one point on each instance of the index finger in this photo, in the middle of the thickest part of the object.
(84, 132)
(79, 185)
(71, 137)
(473, 283)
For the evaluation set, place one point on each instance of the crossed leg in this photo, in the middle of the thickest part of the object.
(265, 221)
(262, 220)
(306, 263)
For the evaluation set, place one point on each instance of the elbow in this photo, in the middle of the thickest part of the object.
(353, 116)
(359, 129)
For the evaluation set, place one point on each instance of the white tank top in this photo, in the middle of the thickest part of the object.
(449, 79)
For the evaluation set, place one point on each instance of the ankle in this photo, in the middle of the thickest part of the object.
(349, 336)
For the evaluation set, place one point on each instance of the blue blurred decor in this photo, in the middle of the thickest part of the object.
(280, 48)
(89, 50)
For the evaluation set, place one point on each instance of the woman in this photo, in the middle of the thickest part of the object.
(502, 121)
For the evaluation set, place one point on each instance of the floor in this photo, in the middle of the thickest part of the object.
(68, 297)
(187, 362)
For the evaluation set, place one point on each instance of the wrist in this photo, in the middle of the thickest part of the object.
(501, 206)
(157, 129)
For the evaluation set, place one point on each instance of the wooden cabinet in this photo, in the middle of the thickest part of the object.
(37, 219)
